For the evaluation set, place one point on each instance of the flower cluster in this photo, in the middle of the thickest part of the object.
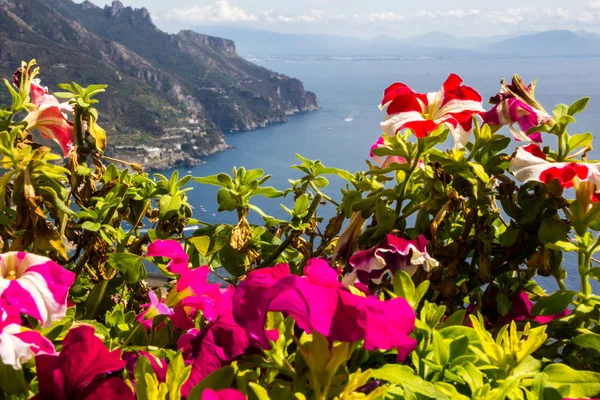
(422, 284)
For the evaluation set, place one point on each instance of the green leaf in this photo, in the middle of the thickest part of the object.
(227, 202)
(259, 391)
(168, 206)
(562, 245)
(91, 226)
(553, 304)
(479, 171)
(553, 230)
(581, 140)
(404, 375)
(578, 106)
(130, 265)
(404, 286)
(221, 179)
(267, 191)
(588, 341)
(177, 374)
(201, 243)
(579, 383)
(147, 385)
(560, 110)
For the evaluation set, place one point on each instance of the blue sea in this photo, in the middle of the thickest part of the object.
(341, 132)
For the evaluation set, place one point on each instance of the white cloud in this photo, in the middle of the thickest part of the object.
(566, 17)
(221, 11)
(512, 16)
(384, 17)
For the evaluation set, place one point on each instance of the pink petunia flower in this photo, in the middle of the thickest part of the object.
(519, 117)
(18, 344)
(520, 309)
(203, 296)
(530, 164)
(212, 347)
(170, 249)
(319, 302)
(454, 105)
(84, 370)
(391, 255)
(35, 285)
(159, 366)
(154, 308)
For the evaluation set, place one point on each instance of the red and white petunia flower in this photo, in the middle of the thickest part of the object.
(35, 285)
(530, 164)
(49, 120)
(391, 255)
(47, 114)
(18, 344)
(454, 105)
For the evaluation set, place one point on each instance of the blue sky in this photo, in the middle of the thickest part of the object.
(399, 18)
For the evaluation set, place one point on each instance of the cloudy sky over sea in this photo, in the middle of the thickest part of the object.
(368, 19)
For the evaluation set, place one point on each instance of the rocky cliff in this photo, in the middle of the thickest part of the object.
(175, 93)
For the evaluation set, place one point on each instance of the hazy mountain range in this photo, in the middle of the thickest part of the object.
(171, 93)
(260, 43)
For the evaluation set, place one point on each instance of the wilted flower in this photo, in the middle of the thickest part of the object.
(154, 308)
(82, 370)
(391, 255)
(319, 302)
(346, 243)
(516, 106)
(35, 285)
(18, 344)
(454, 105)
(530, 164)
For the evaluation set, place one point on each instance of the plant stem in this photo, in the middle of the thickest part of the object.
(133, 332)
(281, 248)
(585, 258)
(77, 127)
(329, 199)
(413, 167)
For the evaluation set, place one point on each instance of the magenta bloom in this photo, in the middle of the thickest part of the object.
(391, 255)
(319, 302)
(204, 296)
(18, 344)
(519, 311)
(154, 308)
(84, 370)
(170, 249)
(159, 366)
(224, 394)
(35, 285)
(211, 348)
(519, 117)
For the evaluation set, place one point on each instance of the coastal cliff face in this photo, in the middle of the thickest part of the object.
(176, 93)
